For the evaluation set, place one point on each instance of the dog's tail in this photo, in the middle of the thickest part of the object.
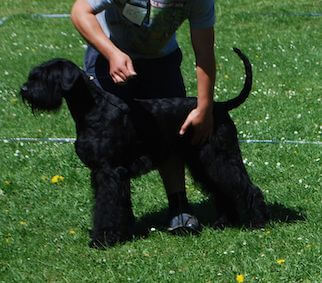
(235, 102)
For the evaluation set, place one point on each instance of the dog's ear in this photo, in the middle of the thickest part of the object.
(70, 75)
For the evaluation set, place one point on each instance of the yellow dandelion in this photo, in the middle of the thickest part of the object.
(7, 183)
(280, 261)
(71, 232)
(56, 179)
(23, 222)
(240, 278)
(14, 101)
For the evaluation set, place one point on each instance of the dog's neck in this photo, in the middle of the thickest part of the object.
(79, 101)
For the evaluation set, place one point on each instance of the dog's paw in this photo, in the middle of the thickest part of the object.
(259, 216)
(96, 244)
(259, 221)
(107, 239)
(102, 240)
(221, 223)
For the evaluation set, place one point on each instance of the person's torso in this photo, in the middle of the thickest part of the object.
(146, 28)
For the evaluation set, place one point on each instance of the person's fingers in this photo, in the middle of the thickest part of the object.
(202, 128)
(185, 126)
(121, 67)
(121, 76)
(118, 78)
(130, 69)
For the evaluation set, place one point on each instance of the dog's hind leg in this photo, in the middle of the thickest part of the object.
(237, 198)
(112, 216)
(223, 175)
(203, 168)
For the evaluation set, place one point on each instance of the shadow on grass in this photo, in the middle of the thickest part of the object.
(204, 211)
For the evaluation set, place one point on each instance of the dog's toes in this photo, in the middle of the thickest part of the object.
(108, 239)
(260, 218)
(221, 223)
(95, 244)
(102, 244)
(103, 240)
(259, 223)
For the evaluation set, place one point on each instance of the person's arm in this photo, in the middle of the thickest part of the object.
(84, 19)
(201, 118)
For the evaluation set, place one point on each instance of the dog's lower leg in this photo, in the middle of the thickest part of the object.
(222, 174)
(112, 216)
(237, 199)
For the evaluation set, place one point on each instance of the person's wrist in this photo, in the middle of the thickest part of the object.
(205, 109)
(110, 51)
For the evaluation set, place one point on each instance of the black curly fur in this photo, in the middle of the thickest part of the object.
(121, 139)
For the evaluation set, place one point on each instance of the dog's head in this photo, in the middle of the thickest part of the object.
(48, 83)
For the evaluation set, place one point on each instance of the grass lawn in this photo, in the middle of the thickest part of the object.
(44, 226)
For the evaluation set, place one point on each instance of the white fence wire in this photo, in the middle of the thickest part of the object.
(72, 140)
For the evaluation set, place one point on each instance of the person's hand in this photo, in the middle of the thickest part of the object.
(202, 123)
(121, 67)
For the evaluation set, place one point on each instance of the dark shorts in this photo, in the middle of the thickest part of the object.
(156, 78)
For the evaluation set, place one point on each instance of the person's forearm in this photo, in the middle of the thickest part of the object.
(86, 23)
(206, 76)
(203, 46)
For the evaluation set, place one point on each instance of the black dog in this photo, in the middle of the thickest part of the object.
(119, 140)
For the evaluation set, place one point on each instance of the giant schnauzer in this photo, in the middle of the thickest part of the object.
(121, 139)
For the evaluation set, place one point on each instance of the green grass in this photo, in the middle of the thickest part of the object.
(44, 227)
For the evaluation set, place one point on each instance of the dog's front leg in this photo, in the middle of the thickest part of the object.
(112, 216)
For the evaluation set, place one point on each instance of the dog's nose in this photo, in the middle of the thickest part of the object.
(24, 88)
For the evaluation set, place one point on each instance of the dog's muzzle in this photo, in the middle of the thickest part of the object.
(24, 89)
